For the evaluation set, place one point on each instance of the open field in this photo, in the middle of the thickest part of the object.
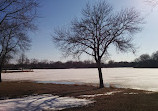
(121, 100)
(144, 79)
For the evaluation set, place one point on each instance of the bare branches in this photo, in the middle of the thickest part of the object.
(18, 11)
(98, 29)
(16, 18)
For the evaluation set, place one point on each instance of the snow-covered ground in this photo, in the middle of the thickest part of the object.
(41, 102)
(146, 78)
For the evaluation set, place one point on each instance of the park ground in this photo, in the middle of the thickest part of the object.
(119, 100)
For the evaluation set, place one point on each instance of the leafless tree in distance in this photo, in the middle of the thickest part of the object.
(98, 29)
(22, 61)
(16, 19)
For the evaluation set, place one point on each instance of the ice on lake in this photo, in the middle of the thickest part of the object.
(146, 78)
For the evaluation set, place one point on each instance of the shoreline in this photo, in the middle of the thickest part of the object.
(106, 85)
(41, 87)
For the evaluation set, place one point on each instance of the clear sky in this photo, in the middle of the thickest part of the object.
(58, 13)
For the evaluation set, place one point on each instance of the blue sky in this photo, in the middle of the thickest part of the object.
(58, 13)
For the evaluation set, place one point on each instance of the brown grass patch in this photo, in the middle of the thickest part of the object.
(22, 88)
(126, 100)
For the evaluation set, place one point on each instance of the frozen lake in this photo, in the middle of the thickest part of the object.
(146, 79)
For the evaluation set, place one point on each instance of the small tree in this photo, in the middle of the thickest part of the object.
(97, 30)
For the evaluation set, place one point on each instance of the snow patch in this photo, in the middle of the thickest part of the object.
(41, 102)
(149, 92)
(131, 93)
(96, 95)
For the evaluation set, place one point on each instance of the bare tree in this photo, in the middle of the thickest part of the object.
(23, 60)
(97, 30)
(16, 19)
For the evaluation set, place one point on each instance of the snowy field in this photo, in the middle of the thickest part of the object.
(146, 79)
(41, 103)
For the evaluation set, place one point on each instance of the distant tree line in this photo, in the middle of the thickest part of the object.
(111, 64)
(44, 64)
(147, 61)
(144, 61)
(24, 63)
(35, 64)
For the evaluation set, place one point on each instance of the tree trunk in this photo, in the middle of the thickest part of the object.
(1, 67)
(0, 73)
(100, 75)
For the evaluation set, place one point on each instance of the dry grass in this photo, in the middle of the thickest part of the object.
(21, 88)
(122, 101)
